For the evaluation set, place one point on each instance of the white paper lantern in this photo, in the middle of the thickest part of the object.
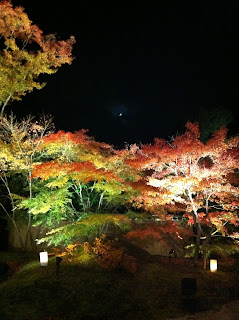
(43, 258)
(213, 265)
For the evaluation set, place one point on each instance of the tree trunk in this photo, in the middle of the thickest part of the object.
(204, 251)
(5, 103)
(197, 246)
(204, 246)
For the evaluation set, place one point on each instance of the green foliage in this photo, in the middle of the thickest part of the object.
(217, 249)
(46, 201)
(19, 142)
(98, 196)
(49, 208)
(222, 250)
(88, 226)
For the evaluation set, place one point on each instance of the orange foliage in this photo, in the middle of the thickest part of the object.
(186, 166)
(84, 171)
(21, 66)
(69, 252)
(144, 233)
(158, 232)
(77, 138)
(110, 255)
(15, 23)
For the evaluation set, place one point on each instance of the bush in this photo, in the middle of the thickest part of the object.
(110, 255)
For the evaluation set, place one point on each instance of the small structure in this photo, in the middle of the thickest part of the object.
(213, 265)
(43, 258)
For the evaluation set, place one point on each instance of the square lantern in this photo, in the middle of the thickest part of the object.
(43, 258)
(213, 265)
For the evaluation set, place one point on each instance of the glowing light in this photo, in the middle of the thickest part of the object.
(43, 258)
(213, 265)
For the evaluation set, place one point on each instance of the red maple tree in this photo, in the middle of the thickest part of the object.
(192, 176)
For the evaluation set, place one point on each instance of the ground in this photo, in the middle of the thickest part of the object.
(85, 291)
(229, 311)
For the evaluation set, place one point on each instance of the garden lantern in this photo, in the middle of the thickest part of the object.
(213, 265)
(43, 258)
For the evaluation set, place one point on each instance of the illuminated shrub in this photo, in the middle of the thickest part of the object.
(75, 252)
(110, 255)
(69, 253)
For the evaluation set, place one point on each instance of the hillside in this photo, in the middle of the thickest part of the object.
(85, 291)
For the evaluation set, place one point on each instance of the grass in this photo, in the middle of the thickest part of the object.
(85, 291)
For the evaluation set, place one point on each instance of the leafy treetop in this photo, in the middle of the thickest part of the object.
(191, 174)
(27, 53)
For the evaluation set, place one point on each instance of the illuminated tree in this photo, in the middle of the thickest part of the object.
(193, 177)
(19, 143)
(27, 54)
(91, 167)
(84, 177)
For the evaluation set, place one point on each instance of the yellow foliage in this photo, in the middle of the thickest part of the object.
(69, 252)
(59, 182)
(19, 66)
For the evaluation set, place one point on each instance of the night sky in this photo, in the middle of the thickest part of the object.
(140, 70)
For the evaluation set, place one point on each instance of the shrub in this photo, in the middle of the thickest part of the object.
(110, 255)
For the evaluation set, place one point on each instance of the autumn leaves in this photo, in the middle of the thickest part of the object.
(26, 54)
